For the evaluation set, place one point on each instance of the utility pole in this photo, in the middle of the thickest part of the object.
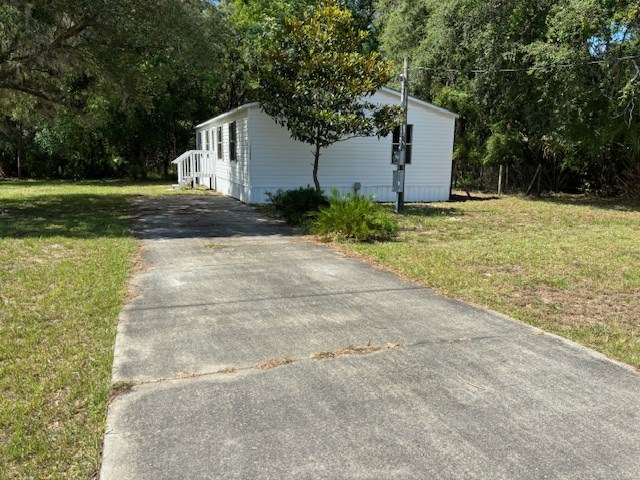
(398, 177)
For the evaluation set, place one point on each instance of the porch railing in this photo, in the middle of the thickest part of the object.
(195, 164)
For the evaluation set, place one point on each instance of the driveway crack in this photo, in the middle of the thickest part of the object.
(123, 387)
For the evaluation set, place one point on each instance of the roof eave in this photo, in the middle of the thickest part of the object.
(430, 106)
(227, 114)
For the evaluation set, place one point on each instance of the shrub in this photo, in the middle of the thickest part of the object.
(297, 206)
(354, 217)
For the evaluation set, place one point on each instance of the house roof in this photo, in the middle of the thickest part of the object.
(390, 91)
(422, 103)
(227, 114)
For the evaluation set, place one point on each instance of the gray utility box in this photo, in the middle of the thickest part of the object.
(398, 181)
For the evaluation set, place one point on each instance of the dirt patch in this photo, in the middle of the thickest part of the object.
(118, 389)
(138, 266)
(469, 196)
(580, 306)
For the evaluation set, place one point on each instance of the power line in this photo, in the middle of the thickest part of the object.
(523, 69)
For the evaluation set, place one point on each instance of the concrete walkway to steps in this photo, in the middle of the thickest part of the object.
(461, 394)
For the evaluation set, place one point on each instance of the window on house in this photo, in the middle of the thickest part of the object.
(396, 142)
(220, 143)
(233, 142)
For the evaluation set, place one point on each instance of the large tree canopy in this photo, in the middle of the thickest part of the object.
(109, 87)
(85, 83)
(569, 102)
(315, 76)
(48, 48)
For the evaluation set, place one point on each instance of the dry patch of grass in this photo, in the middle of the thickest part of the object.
(570, 265)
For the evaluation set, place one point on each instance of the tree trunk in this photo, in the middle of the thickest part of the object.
(506, 180)
(131, 154)
(165, 165)
(19, 162)
(463, 183)
(539, 177)
(144, 172)
(316, 160)
(144, 167)
(533, 180)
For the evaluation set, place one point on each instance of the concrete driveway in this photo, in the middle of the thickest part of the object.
(255, 354)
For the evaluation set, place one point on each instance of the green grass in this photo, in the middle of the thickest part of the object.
(566, 264)
(66, 251)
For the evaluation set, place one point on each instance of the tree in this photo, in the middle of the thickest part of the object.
(568, 103)
(315, 78)
(364, 13)
(50, 49)
(76, 95)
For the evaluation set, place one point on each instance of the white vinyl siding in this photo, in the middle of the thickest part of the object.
(279, 162)
(268, 159)
(231, 177)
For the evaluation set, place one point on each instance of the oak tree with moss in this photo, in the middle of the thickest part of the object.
(316, 77)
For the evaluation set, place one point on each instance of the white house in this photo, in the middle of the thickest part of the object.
(244, 153)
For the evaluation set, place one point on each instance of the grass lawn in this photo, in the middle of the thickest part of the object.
(66, 252)
(566, 264)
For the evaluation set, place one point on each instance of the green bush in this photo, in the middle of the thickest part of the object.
(354, 217)
(297, 206)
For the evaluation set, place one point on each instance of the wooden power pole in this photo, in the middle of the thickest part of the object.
(398, 181)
